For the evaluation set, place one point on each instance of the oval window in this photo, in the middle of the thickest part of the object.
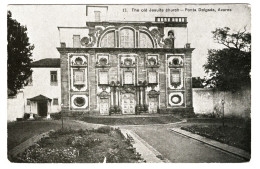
(176, 99)
(79, 101)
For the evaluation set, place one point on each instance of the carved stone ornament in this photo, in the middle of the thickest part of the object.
(176, 62)
(128, 89)
(90, 41)
(153, 94)
(128, 62)
(157, 36)
(152, 62)
(78, 61)
(103, 95)
(168, 43)
(102, 61)
(79, 86)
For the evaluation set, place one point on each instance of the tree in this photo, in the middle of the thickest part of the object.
(19, 55)
(197, 82)
(229, 68)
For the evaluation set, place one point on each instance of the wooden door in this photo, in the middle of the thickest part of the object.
(153, 105)
(42, 108)
(104, 107)
(128, 103)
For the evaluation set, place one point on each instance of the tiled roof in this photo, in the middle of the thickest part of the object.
(39, 98)
(48, 62)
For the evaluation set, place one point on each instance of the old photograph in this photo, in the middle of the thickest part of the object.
(129, 83)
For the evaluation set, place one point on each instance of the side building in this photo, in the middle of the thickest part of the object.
(42, 96)
(126, 67)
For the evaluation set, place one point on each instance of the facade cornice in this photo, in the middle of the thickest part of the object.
(134, 50)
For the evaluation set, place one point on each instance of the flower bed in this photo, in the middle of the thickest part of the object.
(81, 146)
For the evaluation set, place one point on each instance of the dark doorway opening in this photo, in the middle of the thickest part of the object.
(42, 108)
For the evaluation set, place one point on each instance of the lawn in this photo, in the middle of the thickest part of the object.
(236, 133)
(81, 146)
(131, 120)
(20, 131)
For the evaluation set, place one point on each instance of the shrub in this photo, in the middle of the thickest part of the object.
(56, 116)
(26, 116)
(78, 141)
(61, 132)
(104, 129)
(49, 155)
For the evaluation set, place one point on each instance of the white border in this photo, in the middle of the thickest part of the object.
(255, 89)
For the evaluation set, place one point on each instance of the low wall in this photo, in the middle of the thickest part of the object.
(207, 101)
(15, 107)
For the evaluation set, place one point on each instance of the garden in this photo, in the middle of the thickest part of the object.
(104, 144)
(235, 132)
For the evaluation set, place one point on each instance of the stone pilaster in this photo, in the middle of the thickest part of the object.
(92, 80)
(188, 77)
(64, 81)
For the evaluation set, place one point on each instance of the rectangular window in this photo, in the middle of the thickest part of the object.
(127, 38)
(175, 77)
(79, 77)
(97, 16)
(55, 101)
(30, 81)
(152, 77)
(103, 77)
(28, 102)
(128, 77)
(54, 79)
(76, 41)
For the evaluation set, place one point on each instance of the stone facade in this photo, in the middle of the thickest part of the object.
(127, 68)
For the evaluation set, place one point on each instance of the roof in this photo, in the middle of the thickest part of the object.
(47, 62)
(39, 98)
(159, 21)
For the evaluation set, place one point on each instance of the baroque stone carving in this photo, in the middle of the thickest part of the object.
(158, 37)
(153, 94)
(91, 40)
(103, 94)
(128, 62)
(128, 89)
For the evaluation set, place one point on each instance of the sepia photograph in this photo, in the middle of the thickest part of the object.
(128, 83)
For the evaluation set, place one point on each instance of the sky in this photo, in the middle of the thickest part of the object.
(42, 22)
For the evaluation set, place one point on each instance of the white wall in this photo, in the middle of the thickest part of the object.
(66, 35)
(180, 34)
(15, 107)
(207, 101)
(42, 85)
(91, 14)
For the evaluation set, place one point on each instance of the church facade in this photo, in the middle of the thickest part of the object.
(123, 68)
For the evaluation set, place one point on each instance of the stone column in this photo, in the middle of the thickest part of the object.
(141, 96)
(116, 93)
(188, 81)
(112, 95)
(144, 101)
(49, 110)
(31, 114)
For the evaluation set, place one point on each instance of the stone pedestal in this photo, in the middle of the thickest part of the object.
(48, 116)
(31, 116)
